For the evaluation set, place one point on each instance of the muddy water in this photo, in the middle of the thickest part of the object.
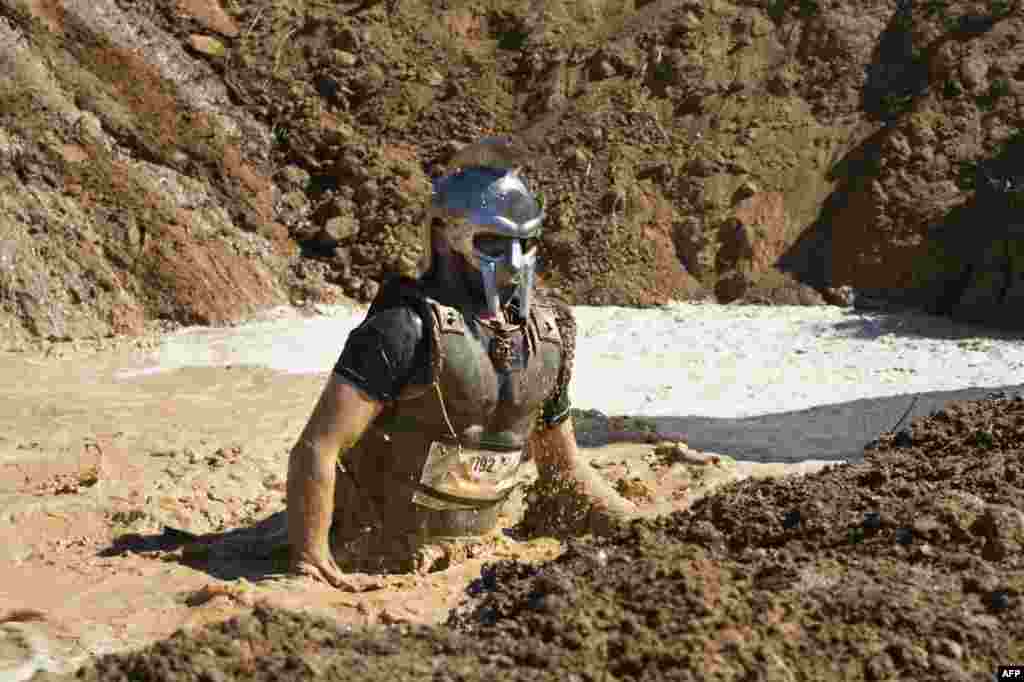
(105, 470)
(105, 446)
(681, 359)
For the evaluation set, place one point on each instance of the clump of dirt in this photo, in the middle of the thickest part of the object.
(555, 507)
(907, 566)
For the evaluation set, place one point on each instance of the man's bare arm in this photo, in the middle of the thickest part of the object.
(340, 418)
(559, 464)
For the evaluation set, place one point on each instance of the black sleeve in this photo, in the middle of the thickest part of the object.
(385, 353)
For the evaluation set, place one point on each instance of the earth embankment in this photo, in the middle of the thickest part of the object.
(178, 162)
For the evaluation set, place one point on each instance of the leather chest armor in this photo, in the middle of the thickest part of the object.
(446, 454)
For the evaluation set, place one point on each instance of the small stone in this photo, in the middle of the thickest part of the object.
(948, 647)
(367, 191)
(908, 654)
(295, 203)
(344, 59)
(660, 171)
(342, 257)
(701, 167)
(947, 668)
(983, 581)
(295, 176)
(450, 149)
(880, 667)
(433, 77)
(746, 190)
(337, 132)
(577, 159)
(740, 167)
(791, 519)
(926, 525)
(304, 231)
(843, 296)
(211, 47)
(339, 229)
(602, 69)
(369, 290)
(973, 73)
(348, 39)
(925, 551)
(1002, 527)
(594, 135)
(352, 284)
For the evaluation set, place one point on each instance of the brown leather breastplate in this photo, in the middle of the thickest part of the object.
(457, 444)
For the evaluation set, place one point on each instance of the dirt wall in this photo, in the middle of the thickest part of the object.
(192, 162)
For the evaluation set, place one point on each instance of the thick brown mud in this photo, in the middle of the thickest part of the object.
(905, 566)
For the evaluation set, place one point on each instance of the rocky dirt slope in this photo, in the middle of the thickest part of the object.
(190, 161)
(907, 566)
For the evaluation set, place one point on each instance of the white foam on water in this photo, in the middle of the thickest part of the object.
(680, 359)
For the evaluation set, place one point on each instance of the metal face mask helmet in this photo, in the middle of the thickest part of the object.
(485, 212)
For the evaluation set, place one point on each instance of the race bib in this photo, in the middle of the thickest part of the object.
(469, 476)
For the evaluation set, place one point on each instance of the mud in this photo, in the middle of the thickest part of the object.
(905, 566)
(116, 491)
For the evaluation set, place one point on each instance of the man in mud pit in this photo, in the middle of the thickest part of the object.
(453, 380)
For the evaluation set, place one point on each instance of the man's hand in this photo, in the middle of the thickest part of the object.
(339, 420)
(321, 567)
(607, 505)
(560, 468)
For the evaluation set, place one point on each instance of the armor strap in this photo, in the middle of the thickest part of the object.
(567, 331)
(446, 320)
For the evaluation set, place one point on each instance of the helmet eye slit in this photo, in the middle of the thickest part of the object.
(497, 246)
(491, 245)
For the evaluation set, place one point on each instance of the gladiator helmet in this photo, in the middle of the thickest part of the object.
(484, 212)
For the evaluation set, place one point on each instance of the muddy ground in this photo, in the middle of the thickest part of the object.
(106, 483)
(904, 566)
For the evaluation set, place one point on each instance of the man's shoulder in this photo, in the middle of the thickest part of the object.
(400, 321)
(398, 309)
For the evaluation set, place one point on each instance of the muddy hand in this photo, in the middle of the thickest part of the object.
(323, 569)
(607, 506)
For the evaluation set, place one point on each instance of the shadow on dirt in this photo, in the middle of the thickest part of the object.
(256, 552)
(895, 82)
(870, 324)
(986, 232)
(828, 432)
